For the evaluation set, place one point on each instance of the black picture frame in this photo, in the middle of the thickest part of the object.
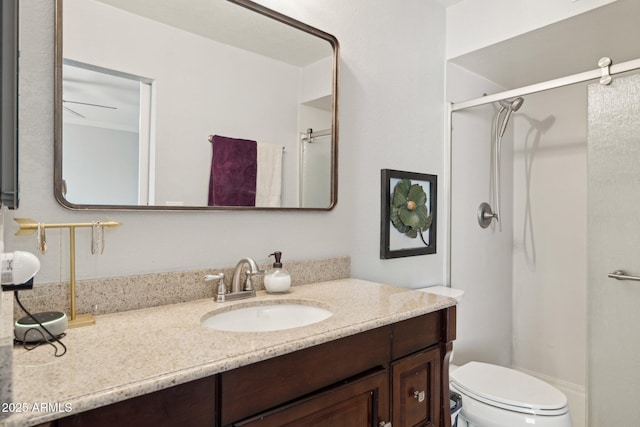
(394, 244)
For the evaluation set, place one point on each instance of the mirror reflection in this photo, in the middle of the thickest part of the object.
(169, 105)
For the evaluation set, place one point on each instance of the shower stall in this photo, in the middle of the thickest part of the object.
(553, 167)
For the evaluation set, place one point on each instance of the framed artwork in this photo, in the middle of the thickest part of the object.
(407, 214)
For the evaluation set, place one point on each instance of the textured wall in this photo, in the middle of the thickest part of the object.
(613, 241)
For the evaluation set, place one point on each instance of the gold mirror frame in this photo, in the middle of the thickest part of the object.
(58, 96)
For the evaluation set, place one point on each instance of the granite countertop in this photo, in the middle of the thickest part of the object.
(137, 352)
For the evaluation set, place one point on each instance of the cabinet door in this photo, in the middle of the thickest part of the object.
(189, 404)
(363, 402)
(416, 389)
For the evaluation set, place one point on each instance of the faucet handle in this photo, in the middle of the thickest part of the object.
(222, 287)
(248, 284)
(255, 273)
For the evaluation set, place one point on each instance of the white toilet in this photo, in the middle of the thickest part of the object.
(494, 396)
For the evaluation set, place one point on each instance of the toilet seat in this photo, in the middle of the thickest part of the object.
(508, 389)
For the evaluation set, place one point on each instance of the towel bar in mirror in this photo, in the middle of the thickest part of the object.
(141, 85)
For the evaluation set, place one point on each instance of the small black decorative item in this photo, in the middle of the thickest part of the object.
(408, 214)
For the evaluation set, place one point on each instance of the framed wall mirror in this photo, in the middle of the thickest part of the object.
(193, 105)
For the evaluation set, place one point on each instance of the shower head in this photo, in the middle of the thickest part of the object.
(513, 105)
(510, 106)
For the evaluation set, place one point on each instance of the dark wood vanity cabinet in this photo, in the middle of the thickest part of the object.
(393, 375)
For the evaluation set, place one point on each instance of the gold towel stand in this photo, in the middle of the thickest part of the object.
(29, 226)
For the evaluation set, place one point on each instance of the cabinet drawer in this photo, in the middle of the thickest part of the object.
(363, 402)
(255, 388)
(416, 389)
(417, 333)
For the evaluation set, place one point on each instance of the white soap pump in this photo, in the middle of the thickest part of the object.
(277, 279)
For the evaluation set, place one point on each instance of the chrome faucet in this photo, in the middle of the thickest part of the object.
(252, 272)
(237, 291)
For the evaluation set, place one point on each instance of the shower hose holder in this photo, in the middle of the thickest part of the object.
(485, 215)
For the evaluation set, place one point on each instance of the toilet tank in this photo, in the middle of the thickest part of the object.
(444, 291)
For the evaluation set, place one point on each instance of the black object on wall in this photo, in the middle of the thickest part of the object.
(9, 104)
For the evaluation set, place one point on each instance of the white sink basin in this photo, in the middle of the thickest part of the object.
(265, 317)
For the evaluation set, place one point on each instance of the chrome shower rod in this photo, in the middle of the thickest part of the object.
(310, 134)
(548, 85)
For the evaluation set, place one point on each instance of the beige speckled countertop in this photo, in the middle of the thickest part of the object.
(137, 352)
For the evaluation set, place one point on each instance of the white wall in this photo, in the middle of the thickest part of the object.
(393, 88)
(101, 165)
(480, 258)
(473, 24)
(315, 81)
(390, 113)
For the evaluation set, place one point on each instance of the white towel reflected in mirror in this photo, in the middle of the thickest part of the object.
(269, 175)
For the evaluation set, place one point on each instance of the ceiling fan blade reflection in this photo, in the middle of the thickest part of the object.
(75, 113)
(89, 104)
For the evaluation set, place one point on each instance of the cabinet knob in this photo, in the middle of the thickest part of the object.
(419, 395)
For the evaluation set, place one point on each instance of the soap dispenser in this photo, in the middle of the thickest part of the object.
(277, 279)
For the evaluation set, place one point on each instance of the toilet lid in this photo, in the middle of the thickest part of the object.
(508, 389)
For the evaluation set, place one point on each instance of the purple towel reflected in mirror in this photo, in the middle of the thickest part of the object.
(232, 181)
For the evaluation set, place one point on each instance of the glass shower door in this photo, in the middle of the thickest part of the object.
(315, 176)
(614, 246)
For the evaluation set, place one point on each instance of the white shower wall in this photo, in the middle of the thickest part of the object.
(549, 251)
(550, 240)
(480, 258)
